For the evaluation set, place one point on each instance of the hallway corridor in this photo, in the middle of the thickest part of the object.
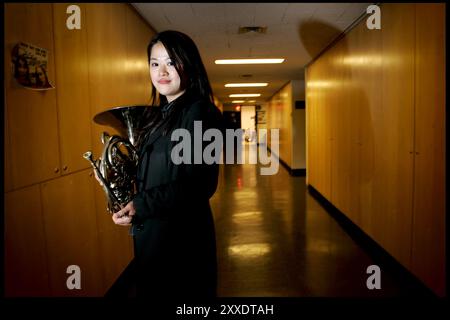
(276, 240)
(352, 94)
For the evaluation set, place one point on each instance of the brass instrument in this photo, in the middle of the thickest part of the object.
(117, 166)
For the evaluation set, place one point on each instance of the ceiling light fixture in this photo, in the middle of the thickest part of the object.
(255, 29)
(248, 61)
(236, 85)
(238, 101)
(242, 95)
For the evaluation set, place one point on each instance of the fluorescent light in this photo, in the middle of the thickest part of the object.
(251, 101)
(238, 101)
(242, 95)
(235, 85)
(248, 61)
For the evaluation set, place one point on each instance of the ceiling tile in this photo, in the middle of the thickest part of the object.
(270, 13)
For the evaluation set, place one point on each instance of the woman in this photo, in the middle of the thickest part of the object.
(41, 77)
(22, 71)
(171, 218)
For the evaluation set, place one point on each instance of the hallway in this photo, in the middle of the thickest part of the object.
(275, 240)
(350, 96)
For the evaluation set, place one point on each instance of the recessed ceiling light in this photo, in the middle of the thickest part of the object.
(242, 95)
(238, 101)
(252, 29)
(248, 61)
(235, 85)
(251, 101)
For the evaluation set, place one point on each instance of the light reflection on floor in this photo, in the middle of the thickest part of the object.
(274, 239)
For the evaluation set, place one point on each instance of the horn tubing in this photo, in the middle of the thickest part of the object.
(105, 184)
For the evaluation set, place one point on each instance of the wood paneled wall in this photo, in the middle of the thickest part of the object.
(279, 117)
(55, 211)
(26, 263)
(282, 115)
(298, 126)
(34, 149)
(72, 91)
(428, 242)
(376, 131)
(218, 104)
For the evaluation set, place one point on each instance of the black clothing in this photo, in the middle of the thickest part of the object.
(166, 109)
(175, 250)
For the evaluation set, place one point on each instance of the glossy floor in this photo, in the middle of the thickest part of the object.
(275, 240)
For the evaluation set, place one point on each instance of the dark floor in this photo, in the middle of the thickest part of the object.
(274, 239)
(277, 238)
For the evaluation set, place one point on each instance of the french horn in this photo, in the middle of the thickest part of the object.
(117, 166)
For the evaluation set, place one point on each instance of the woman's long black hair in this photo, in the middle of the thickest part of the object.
(193, 78)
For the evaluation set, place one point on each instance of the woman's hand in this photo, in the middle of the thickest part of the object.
(124, 216)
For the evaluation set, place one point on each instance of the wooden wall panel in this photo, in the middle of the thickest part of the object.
(115, 242)
(7, 182)
(107, 55)
(285, 103)
(219, 104)
(280, 116)
(353, 97)
(378, 96)
(280, 109)
(367, 98)
(428, 248)
(138, 37)
(393, 135)
(107, 61)
(309, 98)
(31, 114)
(312, 126)
(322, 140)
(73, 92)
(340, 118)
(71, 233)
(298, 120)
(26, 269)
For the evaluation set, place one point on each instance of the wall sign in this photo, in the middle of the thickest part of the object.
(300, 104)
(261, 116)
(29, 64)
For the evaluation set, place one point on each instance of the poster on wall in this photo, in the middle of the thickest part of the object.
(29, 65)
(261, 116)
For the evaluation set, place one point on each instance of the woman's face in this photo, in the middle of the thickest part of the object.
(41, 75)
(22, 67)
(164, 76)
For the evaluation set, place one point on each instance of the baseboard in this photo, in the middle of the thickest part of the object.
(369, 245)
(292, 172)
(125, 285)
(298, 172)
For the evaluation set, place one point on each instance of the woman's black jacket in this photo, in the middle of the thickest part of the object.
(174, 234)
